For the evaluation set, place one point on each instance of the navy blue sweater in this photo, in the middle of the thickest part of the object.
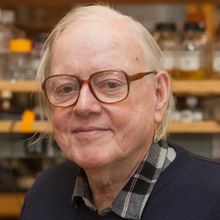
(189, 189)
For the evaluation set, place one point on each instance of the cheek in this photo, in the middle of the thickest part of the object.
(60, 120)
(133, 123)
(144, 116)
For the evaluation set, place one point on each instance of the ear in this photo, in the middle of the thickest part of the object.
(162, 90)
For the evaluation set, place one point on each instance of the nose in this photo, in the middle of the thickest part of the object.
(87, 103)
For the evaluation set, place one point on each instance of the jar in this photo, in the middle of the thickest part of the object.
(8, 19)
(168, 40)
(20, 59)
(192, 56)
(37, 50)
(5, 36)
(216, 56)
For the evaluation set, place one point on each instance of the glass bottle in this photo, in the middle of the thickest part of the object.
(168, 40)
(192, 53)
(7, 108)
(206, 43)
(20, 60)
(5, 36)
(216, 56)
(8, 19)
(37, 50)
(192, 104)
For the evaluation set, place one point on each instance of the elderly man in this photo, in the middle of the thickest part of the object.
(108, 100)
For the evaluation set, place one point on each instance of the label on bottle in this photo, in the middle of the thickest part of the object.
(169, 60)
(216, 62)
(189, 61)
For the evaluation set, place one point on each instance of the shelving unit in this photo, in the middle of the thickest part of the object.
(10, 203)
(180, 87)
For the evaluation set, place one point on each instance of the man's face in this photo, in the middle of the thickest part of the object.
(95, 134)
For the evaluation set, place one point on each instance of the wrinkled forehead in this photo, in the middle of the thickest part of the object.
(96, 39)
(116, 29)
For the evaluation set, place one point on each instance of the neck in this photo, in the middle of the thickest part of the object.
(107, 182)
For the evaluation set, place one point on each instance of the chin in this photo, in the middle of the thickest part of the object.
(89, 156)
(92, 162)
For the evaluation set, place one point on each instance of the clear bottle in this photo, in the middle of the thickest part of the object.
(192, 63)
(37, 50)
(6, 106)
(205, 43)
(216, 61)
(192, 104)
(216, 56)
(8, 19)
(20, 59)
(168, 40)
(5, 36)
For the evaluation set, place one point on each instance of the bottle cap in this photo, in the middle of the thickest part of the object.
(20, 45)
(166, 26)
(194, 26)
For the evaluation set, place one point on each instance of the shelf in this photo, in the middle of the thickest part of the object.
(179, 87)
(196, 87)
(205, 127)
(19, 86)
(176, 127)
(10, 204)
(7, 126)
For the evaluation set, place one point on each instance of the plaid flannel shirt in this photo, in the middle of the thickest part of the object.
(130, 202)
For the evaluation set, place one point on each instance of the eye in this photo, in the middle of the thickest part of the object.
(64, 90)
(110, 84)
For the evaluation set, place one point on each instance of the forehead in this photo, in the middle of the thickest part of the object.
(97, 45)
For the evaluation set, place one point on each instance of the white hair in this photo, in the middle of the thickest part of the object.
(151, 50)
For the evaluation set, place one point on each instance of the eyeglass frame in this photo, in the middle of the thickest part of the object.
(129, 79)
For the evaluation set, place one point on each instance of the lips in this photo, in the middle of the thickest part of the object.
(88, 129)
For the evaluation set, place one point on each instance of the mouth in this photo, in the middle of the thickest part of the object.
(88, 130)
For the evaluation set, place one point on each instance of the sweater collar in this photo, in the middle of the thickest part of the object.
(130, 202)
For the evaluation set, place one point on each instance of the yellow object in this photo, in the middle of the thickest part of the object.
(20, 45)
(27, 121)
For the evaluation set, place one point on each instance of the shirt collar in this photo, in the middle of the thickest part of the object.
(130, 202)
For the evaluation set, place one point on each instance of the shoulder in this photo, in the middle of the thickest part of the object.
(51, 193)
(191, 158)
(195, 170)
(57, 177)
(189, 187)
(62, 170)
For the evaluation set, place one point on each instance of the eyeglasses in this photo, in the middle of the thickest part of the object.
(109, 86)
